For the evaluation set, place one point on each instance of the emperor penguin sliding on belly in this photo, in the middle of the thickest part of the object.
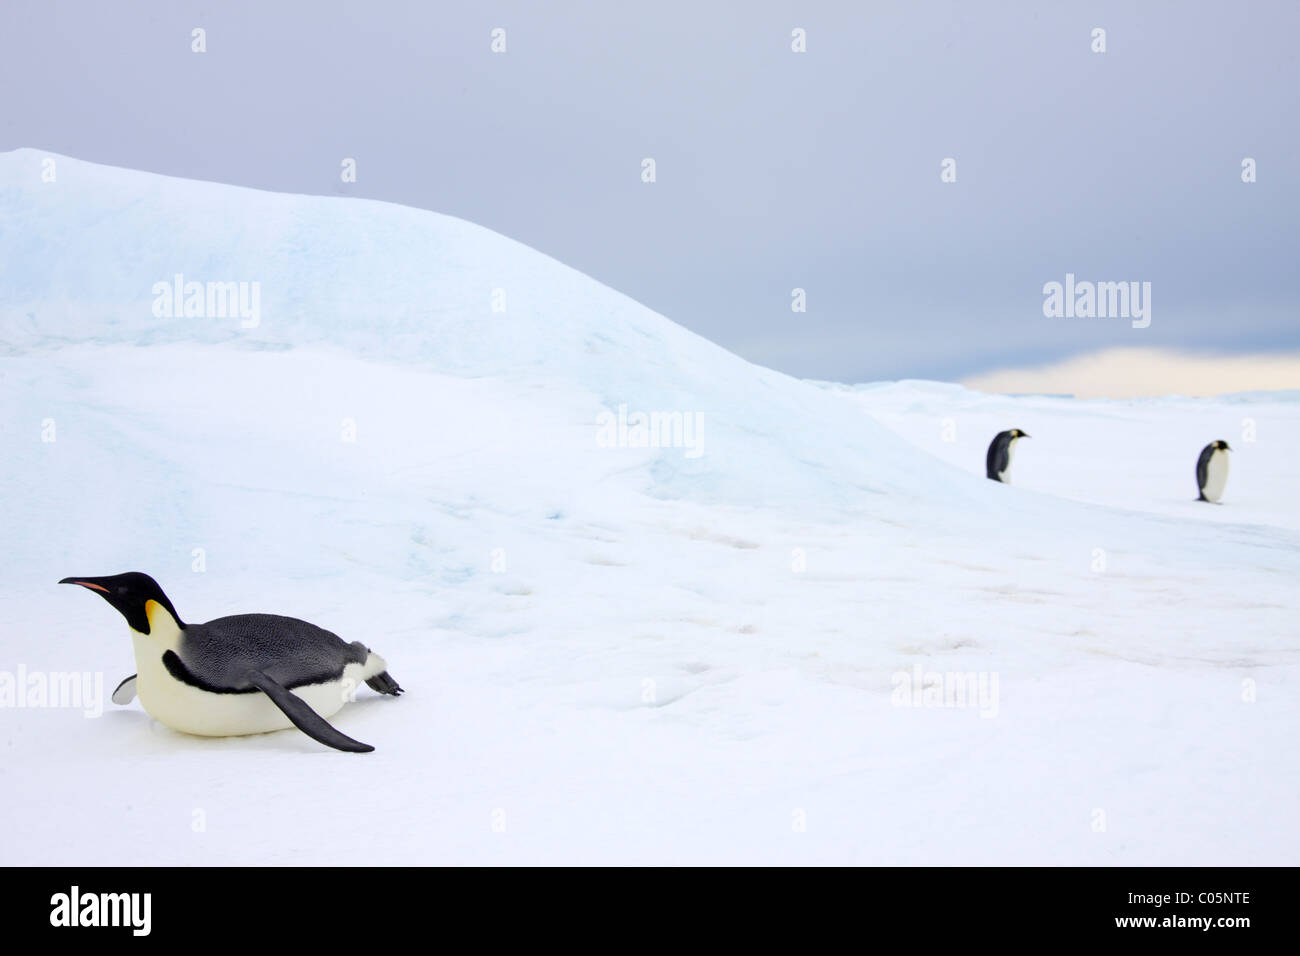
(245, 674)
(997, 464)
(1212, 471)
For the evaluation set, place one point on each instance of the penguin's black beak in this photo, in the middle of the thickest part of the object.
(86, 583)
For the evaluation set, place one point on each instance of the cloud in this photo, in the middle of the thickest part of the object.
(1143, 372)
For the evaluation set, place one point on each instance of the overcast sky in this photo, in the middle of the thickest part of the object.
(775, 169)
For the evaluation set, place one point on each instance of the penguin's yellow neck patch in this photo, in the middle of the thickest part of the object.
(161, 622)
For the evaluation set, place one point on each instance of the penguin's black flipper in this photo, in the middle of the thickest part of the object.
(304, 718)
(125, 692)
(384, 684)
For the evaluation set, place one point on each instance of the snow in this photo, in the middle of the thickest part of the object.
(684, 659)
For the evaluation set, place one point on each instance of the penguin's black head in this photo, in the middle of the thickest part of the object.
(130, 593)
(1222, 446)
(1017, 433)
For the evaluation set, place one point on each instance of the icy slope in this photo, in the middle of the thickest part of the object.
(611, 654)
(81, 257)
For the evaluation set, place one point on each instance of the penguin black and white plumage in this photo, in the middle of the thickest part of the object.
(997, 464)
(245, 674)
(1212, 471)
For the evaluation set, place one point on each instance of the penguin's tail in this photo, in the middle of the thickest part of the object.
(384, 684)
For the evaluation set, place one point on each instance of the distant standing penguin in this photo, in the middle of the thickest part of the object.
(245, 674)
(1212, 471)
(1001, 450)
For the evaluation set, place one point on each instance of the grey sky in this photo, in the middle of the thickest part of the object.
(775, 170)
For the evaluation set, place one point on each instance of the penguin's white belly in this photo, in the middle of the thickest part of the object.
(188, 709)
(1216, 476)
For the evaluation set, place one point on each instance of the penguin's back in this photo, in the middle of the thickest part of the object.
(1202, 467)
(289, 651)
(998, 458)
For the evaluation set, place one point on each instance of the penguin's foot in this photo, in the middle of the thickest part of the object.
(384, 684)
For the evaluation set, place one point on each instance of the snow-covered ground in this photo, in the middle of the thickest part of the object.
(611, 654)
